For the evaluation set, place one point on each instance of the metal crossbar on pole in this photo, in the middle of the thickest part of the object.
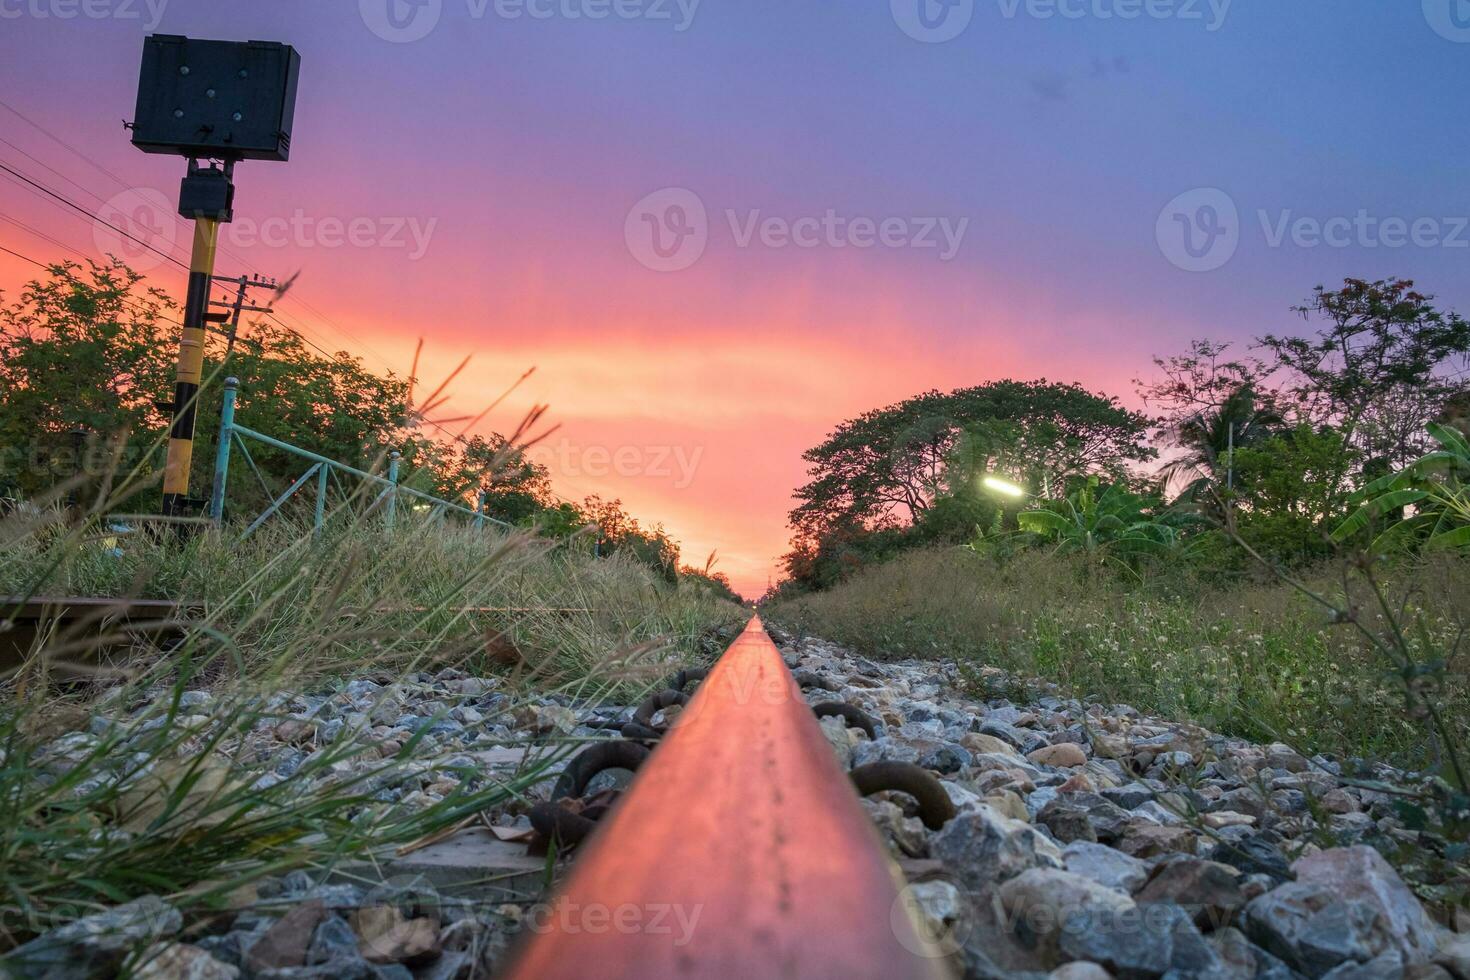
(744, 836)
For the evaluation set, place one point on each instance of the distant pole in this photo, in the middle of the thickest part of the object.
(480, 510)
(190, 370)
(1230, 458)
(393, 459)
(222, 451)
(238, 306)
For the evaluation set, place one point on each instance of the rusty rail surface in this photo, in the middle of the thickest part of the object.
(741, 850)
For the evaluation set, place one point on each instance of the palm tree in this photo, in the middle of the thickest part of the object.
(1210, 436)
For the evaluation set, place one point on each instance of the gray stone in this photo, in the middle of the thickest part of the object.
(1067, 821)
(1313, 930)
(1022, 738)
(1256, 854)
(1388, 966)
(1106, 866)
(334, 940)
(1361, 874)
(1042, 901)
(1134, 942)
(982, 847)
(1079, 970)
(179, 961)
(1128, 797)
(94, 945)
(1210, 892)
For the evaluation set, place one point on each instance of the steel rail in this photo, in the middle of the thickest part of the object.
(740, 850)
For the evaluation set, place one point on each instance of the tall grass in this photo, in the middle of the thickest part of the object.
(133, 764)
(1258, 659)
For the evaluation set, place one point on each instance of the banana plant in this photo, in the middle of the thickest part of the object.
(1109, 524)
(1436, 485)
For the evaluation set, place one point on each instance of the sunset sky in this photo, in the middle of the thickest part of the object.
(1049, 192)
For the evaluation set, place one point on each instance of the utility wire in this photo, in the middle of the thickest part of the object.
(224, 248)
(95, 217)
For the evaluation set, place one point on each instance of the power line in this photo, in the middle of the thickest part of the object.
(63, 199)
(95, 217)
(224, 248)
(131, 307)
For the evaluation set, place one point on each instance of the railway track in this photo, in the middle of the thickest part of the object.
(740, 850)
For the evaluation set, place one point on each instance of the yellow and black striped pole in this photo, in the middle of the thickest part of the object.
(190, 370)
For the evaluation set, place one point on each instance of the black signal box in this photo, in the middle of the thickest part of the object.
(221, 100)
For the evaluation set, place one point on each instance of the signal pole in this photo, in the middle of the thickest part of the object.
(209, 100)
(190, 371)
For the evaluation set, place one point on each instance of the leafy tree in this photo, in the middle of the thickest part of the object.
(516, 488)
(79, 351)
(1291, 489)
(620, 532)
(887, 467)
(1203, 381)
(1375, 369)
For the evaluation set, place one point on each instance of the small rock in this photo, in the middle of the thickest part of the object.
(1106, 866)
(1313, 930)
(1064, 755)
(294, 731)
(1210, 892)
(1043, 901)
(1146, 840)
(1067, 821)
(1079, 970)
(1361, 874)
(286, 942)
(1339, 801)
(1009, 804)
(905, 836)
(385, 936)
(983, 847)
(1137, 942)
(940, 906)
(180, 961)
(982, 744)
(1220, 819)
(94, 945)
(1252, 855)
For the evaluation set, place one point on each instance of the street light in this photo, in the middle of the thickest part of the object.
(1004, 487)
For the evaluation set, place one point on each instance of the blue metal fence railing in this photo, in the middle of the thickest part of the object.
(233, 435)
